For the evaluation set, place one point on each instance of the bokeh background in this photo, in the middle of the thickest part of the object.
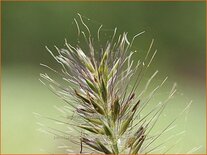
(179, 32)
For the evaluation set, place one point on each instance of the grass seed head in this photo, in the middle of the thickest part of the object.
(99, 93)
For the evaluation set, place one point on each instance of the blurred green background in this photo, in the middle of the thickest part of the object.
(179, 32)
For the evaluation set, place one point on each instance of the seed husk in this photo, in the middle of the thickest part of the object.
(97, 106)
(93, 144)
(104, 91)
(138, 145)
(92, 85)
(125, 124)
(104, 149)
(107, 130)
(92, 129)
(82, 97)
(115, 109)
